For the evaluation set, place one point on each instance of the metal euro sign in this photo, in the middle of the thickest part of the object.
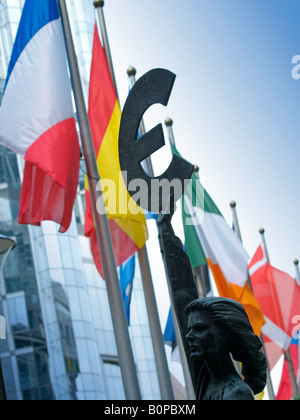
(152, 194)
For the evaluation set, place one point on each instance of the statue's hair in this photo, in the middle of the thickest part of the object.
(245, 347)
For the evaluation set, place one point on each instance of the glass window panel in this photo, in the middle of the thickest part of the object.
(8, 374)
(46, 393)
(13, 284)
(83, 356)
(31, 394)
(18, 314)
(53, 252)
(5, 211)
(49, 228)
(27, 371)
(66, 252)
(75, 252)
(57, 276)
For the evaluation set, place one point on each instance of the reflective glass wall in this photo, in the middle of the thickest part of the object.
(24, 354)
(60, 341)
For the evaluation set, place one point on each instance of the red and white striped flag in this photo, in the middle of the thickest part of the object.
(279, 298)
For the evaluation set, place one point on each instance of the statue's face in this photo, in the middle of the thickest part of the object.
(203, 335)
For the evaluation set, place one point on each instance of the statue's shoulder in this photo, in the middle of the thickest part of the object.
(238, 391)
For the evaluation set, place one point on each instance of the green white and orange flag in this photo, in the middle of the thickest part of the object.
(210, 239)
(126, 219)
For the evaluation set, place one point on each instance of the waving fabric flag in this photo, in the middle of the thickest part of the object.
(127, 271)
(127, 222)
(285, 390)
(279, 298)
(170, 339)
(37, 118)
(217, 244)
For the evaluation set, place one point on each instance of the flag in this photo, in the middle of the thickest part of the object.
(151, 216)
(209, 239)
(285, 390)
(170, 338)
(192, 242)
(193, 246)
(37, 118)
(169, 334)
(127, 271)
(126, 219)
(279, 298)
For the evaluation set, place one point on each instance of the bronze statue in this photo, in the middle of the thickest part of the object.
(214, 331)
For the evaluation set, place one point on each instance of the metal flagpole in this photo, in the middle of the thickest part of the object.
(149, 167)
(236, 221)
(264, 244)
(200, 287)
(237, 229)
(296, 262)
(161, 361)
(288, 355)
(202, 272)
(99, 4)
(126, 360)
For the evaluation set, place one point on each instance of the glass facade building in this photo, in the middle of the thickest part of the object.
(60, 343)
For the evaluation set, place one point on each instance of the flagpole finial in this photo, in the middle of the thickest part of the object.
(98, 3)
(233, 204)
(196, 169)
(261, 231)
(296, 261)
(131, 71)
(169, 122)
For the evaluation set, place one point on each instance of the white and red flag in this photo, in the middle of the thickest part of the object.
(278, 296)
(37, 118)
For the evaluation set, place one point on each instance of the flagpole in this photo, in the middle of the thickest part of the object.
(264, 244)
(288, 355)
(162, 366)
(126, 359)
(237, 229)
(99, 4)
(189, 384)
(197, 271)
(296, 262)
(149, 167)
(161, 361)
(236, 221)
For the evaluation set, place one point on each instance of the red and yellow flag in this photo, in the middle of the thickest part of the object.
(126, 219)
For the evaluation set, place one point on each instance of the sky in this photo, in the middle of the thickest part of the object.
(235, 106)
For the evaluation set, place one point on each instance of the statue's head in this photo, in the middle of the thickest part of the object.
(222, 325)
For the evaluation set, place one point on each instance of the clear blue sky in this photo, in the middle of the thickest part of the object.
(235, 105)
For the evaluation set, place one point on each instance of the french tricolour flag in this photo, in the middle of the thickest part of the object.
(37, 118)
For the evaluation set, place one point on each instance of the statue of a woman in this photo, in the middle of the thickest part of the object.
(219, 328)
(214, 331)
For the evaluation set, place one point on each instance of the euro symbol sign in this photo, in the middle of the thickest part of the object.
(154, 87)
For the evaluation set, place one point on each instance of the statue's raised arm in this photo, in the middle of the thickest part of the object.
(180, 277)
(214, 330)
